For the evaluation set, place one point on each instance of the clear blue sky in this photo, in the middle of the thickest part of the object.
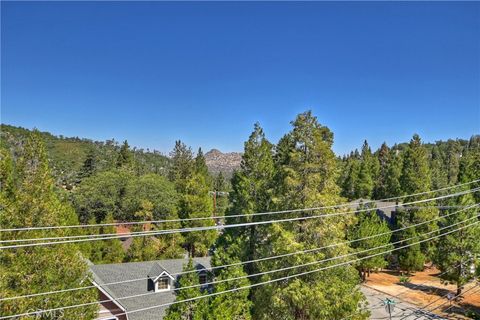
(153, 72)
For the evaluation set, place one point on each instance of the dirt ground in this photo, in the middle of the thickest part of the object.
(425, 288)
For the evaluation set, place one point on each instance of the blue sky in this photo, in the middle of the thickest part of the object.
(154, 72)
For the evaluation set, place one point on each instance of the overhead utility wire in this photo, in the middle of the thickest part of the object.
(126, 234)
(267, 272)
(288, 277)
(195, 229)
(436, 300)
(259, 259)
(231, 216)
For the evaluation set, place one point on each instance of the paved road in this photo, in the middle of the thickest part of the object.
(403, 310)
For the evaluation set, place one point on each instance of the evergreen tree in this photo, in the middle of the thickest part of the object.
(350, 182)
(438, 173)
(365, 182)
(453, 161)
(191, 310)
(193, 182)
(469, 169)
(125, 156)
(182, 165)
(29, 199)
(88, 166)
(369, 224)
(415, 172)
(252, 192)
(234, 305)
(381, 189)
(369, 169)
(306, 178)
(197, 203)
(220, 185)
(457, 251)
(394, 171)
(410, 258)
(200, 164)
(415, 179)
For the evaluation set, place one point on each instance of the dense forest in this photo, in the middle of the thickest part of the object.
(48, 180)
(67, 155)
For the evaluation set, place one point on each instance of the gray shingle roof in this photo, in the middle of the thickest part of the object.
(385, 213)
(155, 271)
(107, 273)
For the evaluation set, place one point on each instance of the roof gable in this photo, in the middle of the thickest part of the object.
(119, 272)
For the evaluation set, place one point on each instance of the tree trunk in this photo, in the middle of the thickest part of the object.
(459, 291)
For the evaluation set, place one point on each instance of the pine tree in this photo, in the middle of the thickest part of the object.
(438, 173)
(415, 179)
(193, 183)
(369, 224)
(306, 178)
(125, 156)
(381, 184)
(200, 164)
(415, 172)
(31, 200)
(234, 305)
(469, 168)
(365, 182)
(89, 165)
(350, 182)
(394, 171)
(182, 165)
(252, 192)
(410, 258)
(452, 161)
(197, 203)
(191, 310)
(368, 172)
(220, 185)
(457, 251)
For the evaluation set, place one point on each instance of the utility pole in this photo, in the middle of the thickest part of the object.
(389, 306)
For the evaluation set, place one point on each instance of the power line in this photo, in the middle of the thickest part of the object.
(286, 277)
(423, 283)
(259, 259)
(231, 216)
(122, 235)
(376, 306)
(206, 228)
(436, 300)
(267, 272)
(474, 292)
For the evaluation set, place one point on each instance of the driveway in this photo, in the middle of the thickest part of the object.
(403, 310)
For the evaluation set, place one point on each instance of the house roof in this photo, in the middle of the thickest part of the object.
(156, 271)
(107, 273)
(383, 212)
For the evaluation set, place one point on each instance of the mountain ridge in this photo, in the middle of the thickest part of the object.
(225, 162)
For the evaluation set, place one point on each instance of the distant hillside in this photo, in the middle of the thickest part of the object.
(223, 162)
(67, 154)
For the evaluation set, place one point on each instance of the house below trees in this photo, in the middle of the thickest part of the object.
(154, 285)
